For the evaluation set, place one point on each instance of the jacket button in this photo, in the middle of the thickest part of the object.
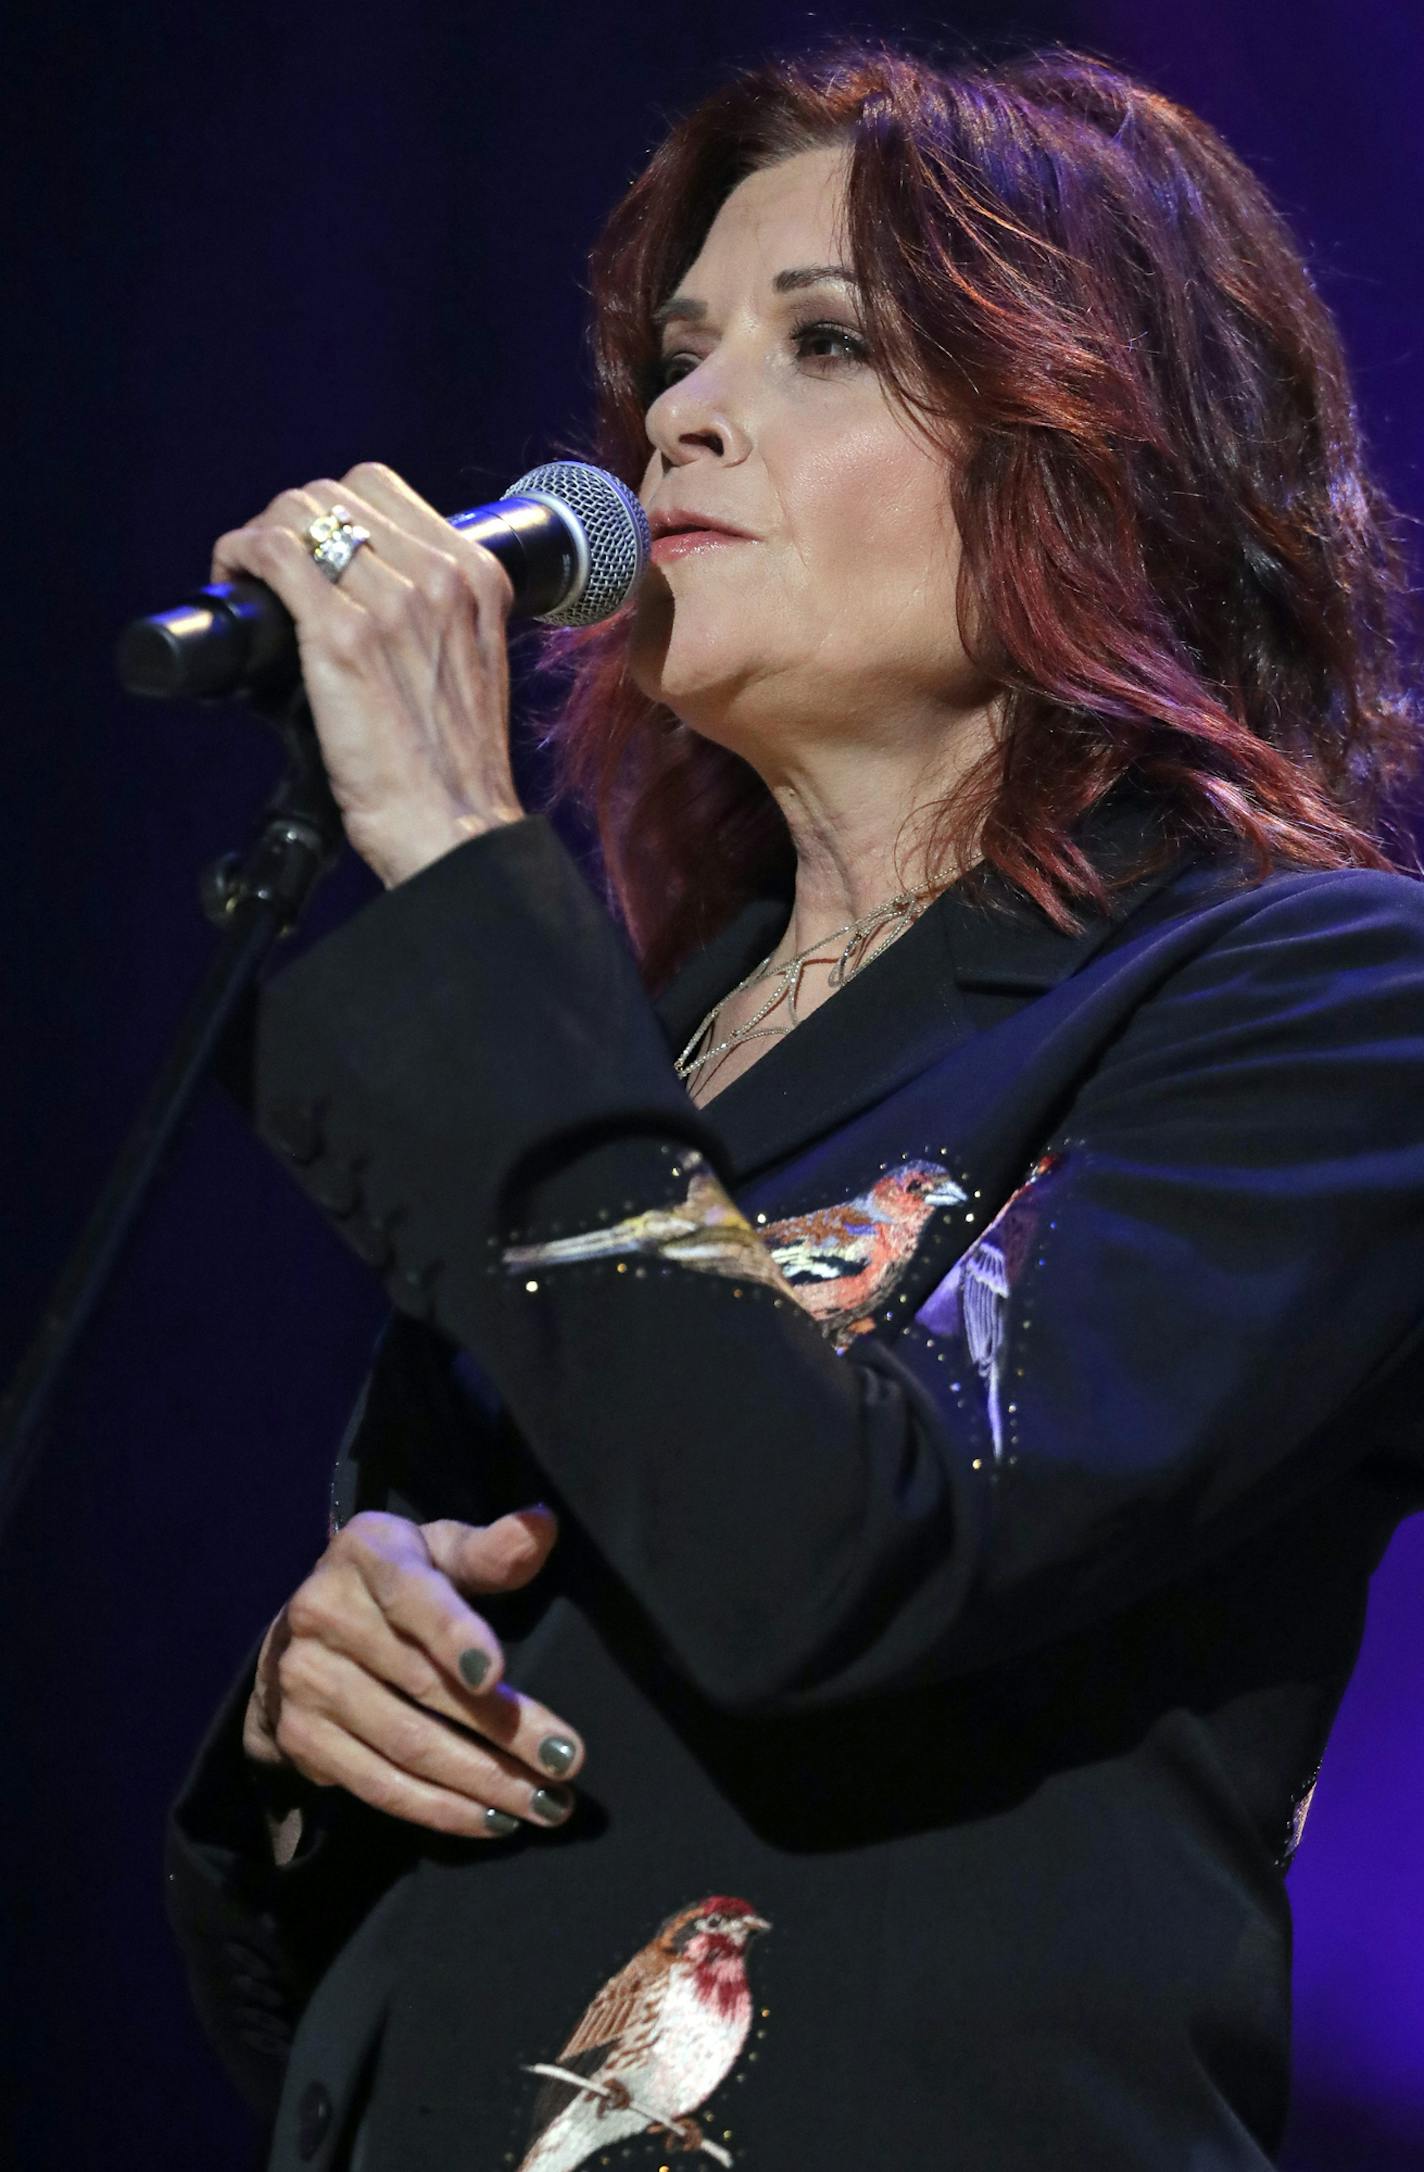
(313, 2119)
(410, 1292)
(371, 1241)
(334, 1187)
(295, 1130)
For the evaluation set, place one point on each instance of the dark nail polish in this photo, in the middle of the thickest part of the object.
(556, 1754)
(500, 1823)
(552, 1804)
(474, 1665)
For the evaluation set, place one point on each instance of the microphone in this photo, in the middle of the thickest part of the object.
(572, 538)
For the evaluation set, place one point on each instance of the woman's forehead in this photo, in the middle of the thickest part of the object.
(777, 218)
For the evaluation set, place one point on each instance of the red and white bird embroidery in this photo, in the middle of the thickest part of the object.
(657, 2040)
(838, 1262)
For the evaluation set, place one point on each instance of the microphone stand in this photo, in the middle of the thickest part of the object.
(253, 899)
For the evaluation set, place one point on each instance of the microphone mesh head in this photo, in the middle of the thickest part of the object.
(614, 525)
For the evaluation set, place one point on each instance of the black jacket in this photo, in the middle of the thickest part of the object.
(965, 1535)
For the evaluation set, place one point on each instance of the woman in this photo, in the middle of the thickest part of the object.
(849, 1552)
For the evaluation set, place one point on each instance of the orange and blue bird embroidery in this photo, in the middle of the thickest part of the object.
(839, 1262)
(843, 1262)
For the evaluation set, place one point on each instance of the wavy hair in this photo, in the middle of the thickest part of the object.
(1176, 569)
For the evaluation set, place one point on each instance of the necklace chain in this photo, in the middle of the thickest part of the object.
(899, 911)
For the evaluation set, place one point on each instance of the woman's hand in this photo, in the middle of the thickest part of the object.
(403, 661)
(377, 1677)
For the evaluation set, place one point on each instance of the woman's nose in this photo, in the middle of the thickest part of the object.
(699, 413)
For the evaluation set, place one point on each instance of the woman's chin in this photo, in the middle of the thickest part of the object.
(697, 684)
(689, 648)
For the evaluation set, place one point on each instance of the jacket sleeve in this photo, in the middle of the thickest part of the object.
(256, 1937)
(1145, 1353)
(256, 1934)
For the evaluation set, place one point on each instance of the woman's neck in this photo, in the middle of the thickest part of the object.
(859, 826)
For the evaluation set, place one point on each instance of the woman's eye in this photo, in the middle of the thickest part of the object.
(670, 368)
(829, 343)
(820, 343)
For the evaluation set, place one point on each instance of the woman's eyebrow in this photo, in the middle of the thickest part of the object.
(814, 275)
(683, 308)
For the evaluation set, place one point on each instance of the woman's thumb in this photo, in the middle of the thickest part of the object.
(498, 1556)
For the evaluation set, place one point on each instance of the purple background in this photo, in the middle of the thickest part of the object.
(253, 250)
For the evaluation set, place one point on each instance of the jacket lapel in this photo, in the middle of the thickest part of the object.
(908, 1009)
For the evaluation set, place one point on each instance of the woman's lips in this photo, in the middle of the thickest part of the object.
(688, 540)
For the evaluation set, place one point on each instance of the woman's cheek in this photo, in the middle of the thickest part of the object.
(648, 640)
(712, 639)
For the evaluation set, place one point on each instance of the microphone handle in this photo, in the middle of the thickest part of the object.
(237, 636)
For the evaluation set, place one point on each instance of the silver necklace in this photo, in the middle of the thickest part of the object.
(900, 911)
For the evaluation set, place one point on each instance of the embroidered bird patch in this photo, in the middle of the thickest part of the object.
(839, 1262)
(972, 1302)
(656, 2041)
(842, 1262)
(705, 1229)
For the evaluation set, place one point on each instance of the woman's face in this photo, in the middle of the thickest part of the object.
(834, 619)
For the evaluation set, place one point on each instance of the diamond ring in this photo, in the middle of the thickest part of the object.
(333, 539)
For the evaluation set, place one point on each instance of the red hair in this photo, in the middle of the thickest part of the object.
(1175, 566)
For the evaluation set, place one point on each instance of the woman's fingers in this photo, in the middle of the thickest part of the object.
(385, 1596)
(331, 1756)
(403, 664)
(391, 1560)
(408, 540)
(330, 1704)
(526, 1730)
(380, 1677)
(409, 531)
(386, 492)
(522, 1727)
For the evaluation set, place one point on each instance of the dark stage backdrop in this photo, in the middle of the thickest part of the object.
(252, 247)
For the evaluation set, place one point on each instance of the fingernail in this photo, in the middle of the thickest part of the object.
(556, 1754)
(474, 1665)
(552, 1804)
(500, 1823)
